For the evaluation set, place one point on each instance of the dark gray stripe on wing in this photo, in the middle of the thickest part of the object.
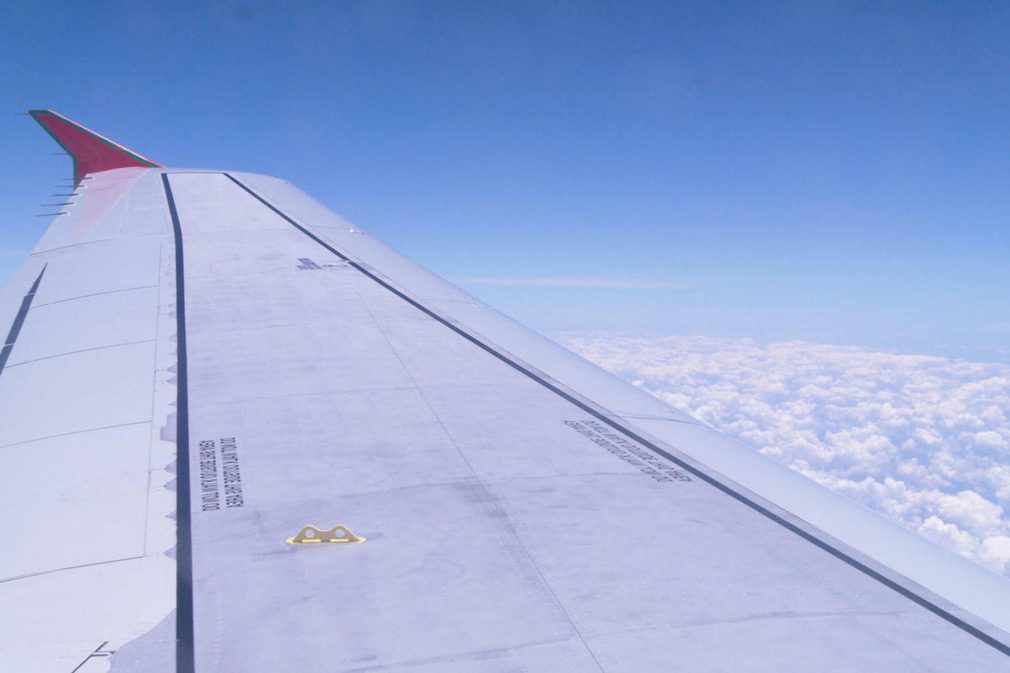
(185, 659)
(19, 320)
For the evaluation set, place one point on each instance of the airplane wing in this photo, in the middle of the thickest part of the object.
(239, 433)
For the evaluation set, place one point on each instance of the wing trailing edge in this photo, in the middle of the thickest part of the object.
(91, 152)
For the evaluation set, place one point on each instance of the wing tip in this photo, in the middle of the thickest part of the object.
(91, 152)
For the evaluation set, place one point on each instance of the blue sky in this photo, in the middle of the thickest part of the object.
(835, 172)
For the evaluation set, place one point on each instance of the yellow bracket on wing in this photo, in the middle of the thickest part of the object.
(311, 535)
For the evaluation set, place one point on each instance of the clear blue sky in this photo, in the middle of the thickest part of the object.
(816, 170)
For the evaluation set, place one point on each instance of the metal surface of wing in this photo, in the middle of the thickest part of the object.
(201, 363)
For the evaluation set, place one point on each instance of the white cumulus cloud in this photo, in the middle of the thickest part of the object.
(924, 440)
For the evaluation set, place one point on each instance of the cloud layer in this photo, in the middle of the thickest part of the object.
(594, 282)
(924, 440)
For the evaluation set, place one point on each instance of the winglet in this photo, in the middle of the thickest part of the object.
(91, 152)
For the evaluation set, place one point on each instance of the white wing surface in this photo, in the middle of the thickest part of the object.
(201, 364)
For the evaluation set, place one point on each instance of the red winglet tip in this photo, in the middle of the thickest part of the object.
(91, 152)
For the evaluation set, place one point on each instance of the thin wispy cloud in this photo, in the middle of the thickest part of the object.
(599, 282)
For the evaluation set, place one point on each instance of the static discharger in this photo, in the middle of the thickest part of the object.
(310, 535)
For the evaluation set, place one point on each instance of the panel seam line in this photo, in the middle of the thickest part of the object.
(483, 486)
